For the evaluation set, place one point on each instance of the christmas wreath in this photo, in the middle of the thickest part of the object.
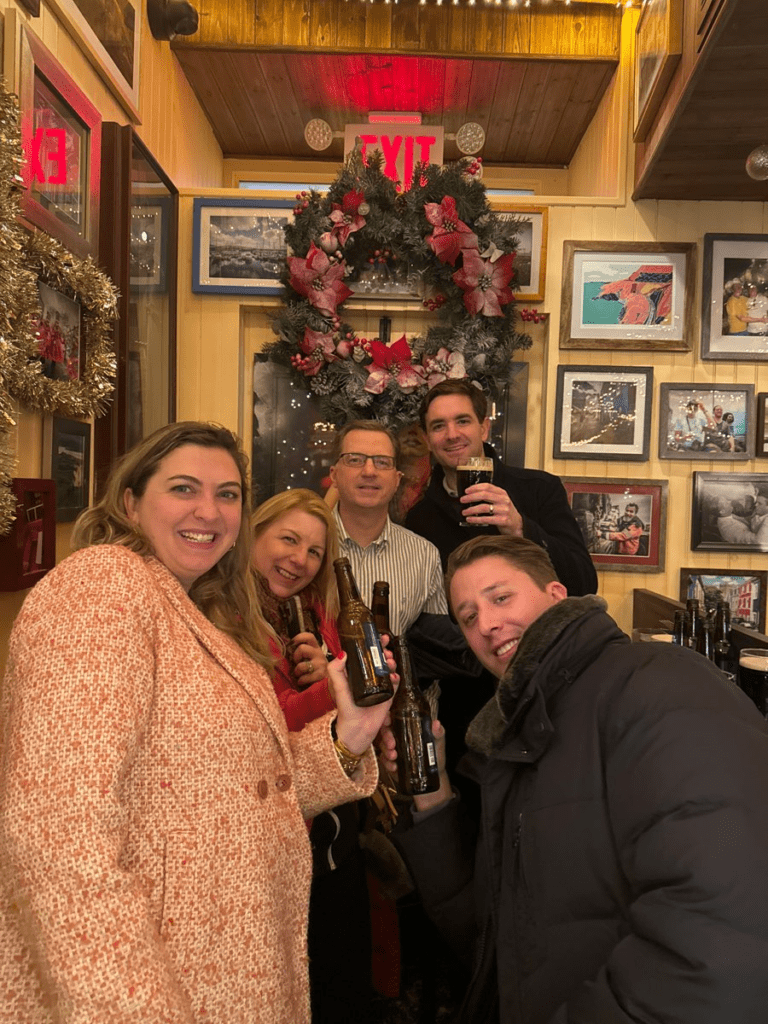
(441, 234)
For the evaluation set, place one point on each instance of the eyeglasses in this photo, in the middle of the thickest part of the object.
(356, 460)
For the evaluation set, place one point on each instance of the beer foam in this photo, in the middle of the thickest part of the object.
(756, 662)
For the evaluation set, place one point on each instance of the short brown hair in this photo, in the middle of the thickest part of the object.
(374, 427)
(464, 386)
(521, 554)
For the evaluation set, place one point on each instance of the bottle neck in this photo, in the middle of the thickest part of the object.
(345, 580)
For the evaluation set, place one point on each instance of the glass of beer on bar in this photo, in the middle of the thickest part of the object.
(753, 676)
(475, 470)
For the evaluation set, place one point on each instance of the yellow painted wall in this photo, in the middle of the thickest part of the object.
(175, 131)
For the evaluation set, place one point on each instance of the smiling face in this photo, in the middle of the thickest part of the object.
(494, 603)
(289, 552)
(366, 487)
(454, 433)
(190, 510)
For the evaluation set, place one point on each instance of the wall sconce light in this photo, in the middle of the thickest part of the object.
(318, 134)
(170, 18)
(757, 163)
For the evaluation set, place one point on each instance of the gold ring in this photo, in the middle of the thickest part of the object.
(490, 508)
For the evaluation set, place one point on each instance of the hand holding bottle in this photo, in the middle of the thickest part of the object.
(309, 662)
(357, 726)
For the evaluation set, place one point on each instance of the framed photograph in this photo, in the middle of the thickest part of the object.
(531, 256)
(743, 591)
(658, 46)
(61, 139)
(386, 284)
(698, 422)
(761, 429)
(31, 7)
(67, 455)
(624, 522)
(603, 412)
(109, 35)
(59, 333)
(734, 298)
(28, 551)
(730, 512)
(628, 295)
(239, 245)
(150, 223)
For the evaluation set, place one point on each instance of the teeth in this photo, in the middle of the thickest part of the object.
(506, 648)
(198, 538)
(288, 575)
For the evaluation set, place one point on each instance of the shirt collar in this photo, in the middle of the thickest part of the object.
(346, 540)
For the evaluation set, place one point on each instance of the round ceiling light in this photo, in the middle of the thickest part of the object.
(318, 133)
(470, 138)
(757, 163)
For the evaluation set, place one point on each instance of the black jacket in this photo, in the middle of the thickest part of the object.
(621, 873)
(540, 499)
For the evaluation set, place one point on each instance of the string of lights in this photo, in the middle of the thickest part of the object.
(508, 4)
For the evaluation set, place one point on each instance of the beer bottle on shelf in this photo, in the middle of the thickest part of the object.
(722, 636)
(680, 628)
(380, 607)
(366, 666)
(705, 643)
(694, 622)
(417, 770)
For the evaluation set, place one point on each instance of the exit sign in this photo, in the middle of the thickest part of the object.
(401, 145)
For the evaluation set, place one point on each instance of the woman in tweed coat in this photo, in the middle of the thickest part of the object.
(154, 862)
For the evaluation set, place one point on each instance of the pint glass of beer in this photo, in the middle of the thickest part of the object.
(753, 676)
(475, 470)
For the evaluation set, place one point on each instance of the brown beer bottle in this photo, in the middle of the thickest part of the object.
(380, 607)
(366, 666)
(417, 770)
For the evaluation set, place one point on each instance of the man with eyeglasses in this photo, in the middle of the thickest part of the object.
(365, 473)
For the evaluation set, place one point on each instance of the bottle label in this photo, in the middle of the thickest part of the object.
(431, 756)
(374, 646)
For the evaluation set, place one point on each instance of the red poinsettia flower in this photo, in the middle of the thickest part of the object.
(444, 365)
(346, 216)
(485, 284)
(392, 362)
(451, 235)
(318, 280)
(320, 343)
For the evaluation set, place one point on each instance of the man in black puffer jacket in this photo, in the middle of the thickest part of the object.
(621, 871)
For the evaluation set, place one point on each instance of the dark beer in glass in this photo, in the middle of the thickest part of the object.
(753, 676)
(475, 470)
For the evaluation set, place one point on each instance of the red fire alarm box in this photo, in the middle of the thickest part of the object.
(29, 550)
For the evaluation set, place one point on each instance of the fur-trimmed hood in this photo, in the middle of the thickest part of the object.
(523, 686)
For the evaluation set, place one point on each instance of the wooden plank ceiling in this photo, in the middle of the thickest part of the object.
(532, 79)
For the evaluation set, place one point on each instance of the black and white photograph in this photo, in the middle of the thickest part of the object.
(698, 422)
(59, 334)
(602, 412)
(730, 512)
(239, 245)
(623, 522)
(67, 447)
(743, 592)
(734, 312)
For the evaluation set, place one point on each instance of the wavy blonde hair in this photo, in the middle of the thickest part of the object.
(226, 594)
(323, 587)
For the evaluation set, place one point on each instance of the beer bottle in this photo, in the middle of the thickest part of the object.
(366, 667)
(680, 628)
(380, 607)
(705, 644)
(417, 770)
(722, 636)
(694, 622)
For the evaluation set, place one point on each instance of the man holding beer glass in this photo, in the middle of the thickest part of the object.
(496, 498)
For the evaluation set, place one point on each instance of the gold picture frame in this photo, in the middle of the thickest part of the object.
(658, 47)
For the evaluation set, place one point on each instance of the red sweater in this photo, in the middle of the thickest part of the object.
(303, 706)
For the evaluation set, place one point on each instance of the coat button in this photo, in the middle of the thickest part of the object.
(262, 789)
(282, 783)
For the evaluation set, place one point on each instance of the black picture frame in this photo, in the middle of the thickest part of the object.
(743, 589)
(727, 512)
(603, 412)
(67, 447)
(697, 434)
(761, 426)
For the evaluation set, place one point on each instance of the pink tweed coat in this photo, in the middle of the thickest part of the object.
(154, 861)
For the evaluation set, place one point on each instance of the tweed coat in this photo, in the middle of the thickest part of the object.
(154, 861)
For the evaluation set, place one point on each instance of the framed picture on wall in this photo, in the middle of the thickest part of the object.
(67, 460)
(150, 224)
(603, 412)
(109, 35)
(238, 245)
(531, 254)
(743, 590)
(28, 550)
(658, 46)
(628, 295)
(761, 426)
(624, 522)
(61, 139)
(734, 298)
(698, 422)
(730, 512)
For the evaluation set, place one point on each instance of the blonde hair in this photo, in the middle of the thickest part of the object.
(225, 594)
(323, 587)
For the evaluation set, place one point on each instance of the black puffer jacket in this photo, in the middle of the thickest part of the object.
(621, 875)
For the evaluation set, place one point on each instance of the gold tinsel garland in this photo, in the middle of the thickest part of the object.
(15, 284)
